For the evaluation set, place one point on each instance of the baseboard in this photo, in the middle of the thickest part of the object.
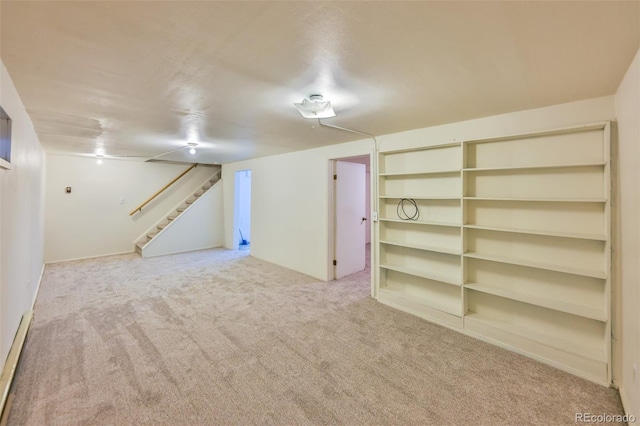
(185, 251)
(14, 353)
(5, 414)
(11, 364)
(35, 295)
(52, 262)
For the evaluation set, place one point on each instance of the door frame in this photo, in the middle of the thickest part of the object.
(236, 212)
(331, 269)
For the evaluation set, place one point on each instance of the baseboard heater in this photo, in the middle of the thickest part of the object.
(12, 360)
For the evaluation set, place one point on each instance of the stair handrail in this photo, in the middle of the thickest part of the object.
(139, 208)
(182, 203)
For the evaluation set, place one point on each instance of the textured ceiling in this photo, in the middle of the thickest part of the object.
(143, 78)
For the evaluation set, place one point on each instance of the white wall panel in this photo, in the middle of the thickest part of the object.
(21, 218)
(199, 227)
(628, 232)
(290, 209)
(90, 221)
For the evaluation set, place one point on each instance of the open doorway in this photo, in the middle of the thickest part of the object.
(242, 209)
(350, 215)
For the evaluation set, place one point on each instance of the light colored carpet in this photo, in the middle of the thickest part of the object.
(218, 337)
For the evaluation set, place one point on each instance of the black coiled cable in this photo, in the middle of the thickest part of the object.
(402, 213)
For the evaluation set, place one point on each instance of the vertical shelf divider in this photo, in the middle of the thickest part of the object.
(463, 240)
(607, 248)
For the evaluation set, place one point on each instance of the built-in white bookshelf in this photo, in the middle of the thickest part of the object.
(506, 239)
(421, 247)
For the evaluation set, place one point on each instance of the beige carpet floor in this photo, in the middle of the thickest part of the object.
(218, 337)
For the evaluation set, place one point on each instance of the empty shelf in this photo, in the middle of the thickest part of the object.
(544, 233)
(422, 274)
(539, 265)
(538, 337)
(422, 247)
(420, 222)
(570, 308)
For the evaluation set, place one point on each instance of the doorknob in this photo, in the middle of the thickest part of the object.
(363, 219)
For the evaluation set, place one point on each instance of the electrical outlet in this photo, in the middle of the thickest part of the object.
(374, 216)
(121, 200)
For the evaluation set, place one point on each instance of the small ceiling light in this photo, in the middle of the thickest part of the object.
(99, 158)
(192, 148)
(315, 107)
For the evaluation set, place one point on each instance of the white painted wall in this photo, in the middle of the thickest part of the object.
(21, 217)
(627, 103)
(290, 191)
(556, 116)
(199, 227)
(90, 221)
(290, 206)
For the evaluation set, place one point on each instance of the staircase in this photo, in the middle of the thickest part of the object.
(157, 229)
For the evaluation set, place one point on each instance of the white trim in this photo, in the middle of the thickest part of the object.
(236, 213)
(5, 164)
(35, 295)
(90, 257)
(191, 251)
(331, 234)
(373, 197)
(600, 125)
(11, 364)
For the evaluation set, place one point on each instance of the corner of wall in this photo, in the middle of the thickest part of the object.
(627, 105)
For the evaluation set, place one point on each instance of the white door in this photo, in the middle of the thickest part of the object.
(350, 219)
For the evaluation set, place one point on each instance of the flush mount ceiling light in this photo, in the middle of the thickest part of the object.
(315, 107)
(99, 158)
(192, 148)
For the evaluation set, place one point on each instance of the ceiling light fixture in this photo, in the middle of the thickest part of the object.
(192, 148)
(315, 107)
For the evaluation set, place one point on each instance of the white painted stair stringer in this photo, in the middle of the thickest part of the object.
(199, 227)
(155, 230)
